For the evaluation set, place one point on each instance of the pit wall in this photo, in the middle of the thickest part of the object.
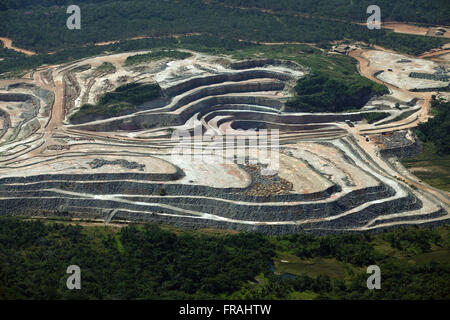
(426, 216)
(194, 96)
(66, 178)
(280, 229)
(47, 201)
(227, 89)
(46, 95)
(209, 80)
(256, 209)
(406, 151)
(112, 184)
(151, 120)
(146, 121)
(226, 77)
(192, 222)
(249, 124)
(277, 212)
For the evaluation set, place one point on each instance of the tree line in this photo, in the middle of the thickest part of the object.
(151, 262)
(43, 27)
(437, 129)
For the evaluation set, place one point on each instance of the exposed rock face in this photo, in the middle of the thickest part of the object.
(71, 91)
(141, 199)
(15, 97)
(123, 168)
(401, 144)
(260, 63)
(225, 77)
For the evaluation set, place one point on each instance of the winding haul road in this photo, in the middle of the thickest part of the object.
(55, 125)
(8, 45)
(421, 116)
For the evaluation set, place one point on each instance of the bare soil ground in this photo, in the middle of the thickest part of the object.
(367, 69)
(8, 44)
(405, 28)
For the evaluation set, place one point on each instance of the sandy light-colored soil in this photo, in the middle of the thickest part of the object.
(405, 28)
(8, 44)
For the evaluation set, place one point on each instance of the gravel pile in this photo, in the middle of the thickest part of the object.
(98, 163)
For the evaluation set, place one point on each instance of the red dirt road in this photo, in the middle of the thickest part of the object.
(8, 45)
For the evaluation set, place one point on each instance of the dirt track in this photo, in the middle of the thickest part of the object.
(365, 70)
(8, 44)
(434, 53)
(422, 116)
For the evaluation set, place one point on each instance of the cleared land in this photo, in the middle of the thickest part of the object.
(7, 43)
(406, 28)
(430, 167)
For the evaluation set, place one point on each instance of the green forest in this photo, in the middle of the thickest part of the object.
(319, 93)
(437, 128)
(147, 261)
(42, 27)
(424, 11)
(432, 165)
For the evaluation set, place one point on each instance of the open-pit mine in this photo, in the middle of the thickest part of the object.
(335, 171)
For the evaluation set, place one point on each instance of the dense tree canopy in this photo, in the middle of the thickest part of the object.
(437, 129)
(43, 27)
(206, 26)
(319, 93)
(147, 262)
(434, 12)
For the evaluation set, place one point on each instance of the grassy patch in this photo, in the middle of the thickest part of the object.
(430, 167)
(156, 55)
(106, 67)
(436, 255)
(312, 267)
(119, 243)
(439, 255)
(305, 295)
(383, 246)
(102, 110)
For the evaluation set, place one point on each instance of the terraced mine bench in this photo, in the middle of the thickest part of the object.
(123, 167)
